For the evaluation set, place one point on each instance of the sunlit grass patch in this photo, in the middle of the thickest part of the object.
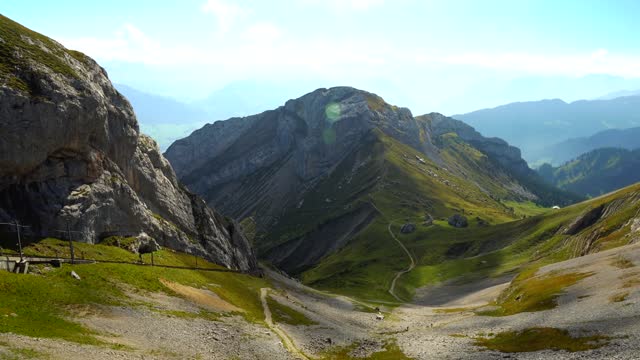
(533, 294)
(618, 297)
(43, 305)
(284, 314)
(621, 262)
(390, 351)
(630, 280)
(541, 338)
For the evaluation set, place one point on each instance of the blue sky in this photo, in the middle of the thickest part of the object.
(449, 56)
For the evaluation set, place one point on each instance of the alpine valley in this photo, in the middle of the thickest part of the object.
(337, 226)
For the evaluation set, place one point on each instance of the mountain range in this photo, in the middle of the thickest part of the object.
(536, 125)
(567, 150)
(315, 178)
(167, 120)
(597, 172)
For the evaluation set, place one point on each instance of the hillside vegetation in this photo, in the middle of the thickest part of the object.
(595, 173)
(570, 149)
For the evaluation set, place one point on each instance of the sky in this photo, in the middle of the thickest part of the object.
(449, 56)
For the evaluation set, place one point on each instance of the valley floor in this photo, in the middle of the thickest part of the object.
(443, 322)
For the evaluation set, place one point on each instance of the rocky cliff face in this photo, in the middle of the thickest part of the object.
(499, 150)
(71, 153)
(286, 150)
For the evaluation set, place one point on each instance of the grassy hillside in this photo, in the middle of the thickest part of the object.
(366, 267)
(520, 246)
(567, 150)
(409, 191)
(34, 50)
(44, 304)
(596, 172)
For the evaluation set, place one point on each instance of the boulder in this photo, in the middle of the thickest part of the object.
(408, 228)
(458, 221)
(146, 244)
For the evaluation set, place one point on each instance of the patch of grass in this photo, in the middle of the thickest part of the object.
(249, 228)
(106, 252)
(451, 310)
(284, 314)
(527, 208)
(365, 308)
(19, 46)
(541, 338)
(533, 294)
(375, 103)
(621, 262)
(52, 247)
(618, 297)
(165, 221)
(391, 351)
(458, 335)
(43, 304)
(78, 55)
(17, 353)
(630, 280)
(202, 314)
(119, 241)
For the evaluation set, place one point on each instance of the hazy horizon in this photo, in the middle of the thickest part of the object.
(451, 57)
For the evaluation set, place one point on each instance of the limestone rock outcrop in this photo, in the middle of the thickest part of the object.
(71, 154)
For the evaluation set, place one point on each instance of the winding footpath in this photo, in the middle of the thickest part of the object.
(412, 264)
(412, 261)
(284, 337)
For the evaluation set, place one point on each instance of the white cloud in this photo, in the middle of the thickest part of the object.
(364, 4)
(264, 49)
(598, 62)
(262, 32)
(226, 13)
(342, 5)
(132, 45)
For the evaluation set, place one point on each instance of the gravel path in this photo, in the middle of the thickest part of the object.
(412, 264)
(286, 340)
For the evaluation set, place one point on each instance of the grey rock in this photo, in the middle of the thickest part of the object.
(584, 220)
(408, 228)
(72, 154)
(458, 221)
(146, 244)
(298, 141)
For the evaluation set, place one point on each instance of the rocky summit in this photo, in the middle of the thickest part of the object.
(72, 157)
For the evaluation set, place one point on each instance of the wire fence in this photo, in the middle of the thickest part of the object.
(13, 239)
(53, 259)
